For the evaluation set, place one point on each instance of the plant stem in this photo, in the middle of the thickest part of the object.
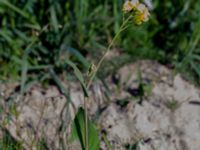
(86, 123)
(122, 28)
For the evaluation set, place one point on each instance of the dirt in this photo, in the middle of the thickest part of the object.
(144, 103)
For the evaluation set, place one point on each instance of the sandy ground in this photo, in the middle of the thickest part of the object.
(143, 103)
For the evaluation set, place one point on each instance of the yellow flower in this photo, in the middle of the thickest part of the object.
(130, 5)
(139, 11)
(142, 14)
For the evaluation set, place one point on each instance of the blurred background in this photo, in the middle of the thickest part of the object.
(38, 34)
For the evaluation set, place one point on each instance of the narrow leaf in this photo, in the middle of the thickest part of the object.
(79, 56)
(79, 76)
(13, 7)
(196, 68)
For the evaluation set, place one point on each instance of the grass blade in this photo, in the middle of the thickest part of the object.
(196, 68)
(11, 6)
(79, 56)
(79, 76)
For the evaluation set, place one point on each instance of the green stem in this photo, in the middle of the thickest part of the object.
(86, 123)
(109, 146)
(122, 28)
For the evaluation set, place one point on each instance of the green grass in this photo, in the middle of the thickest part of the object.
(172, 105)
(9, 143)
(34, 34)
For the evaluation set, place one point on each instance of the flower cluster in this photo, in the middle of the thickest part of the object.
(139, 11)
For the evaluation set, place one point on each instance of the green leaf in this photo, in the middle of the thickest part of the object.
(79, 76)
(196, 68)
(196, 57)
(54, 19)
(59, 84)
(24, 73)
(79, 56)
(78, 131)
(14, 8)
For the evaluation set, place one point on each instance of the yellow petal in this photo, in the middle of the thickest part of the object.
(143, 13)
